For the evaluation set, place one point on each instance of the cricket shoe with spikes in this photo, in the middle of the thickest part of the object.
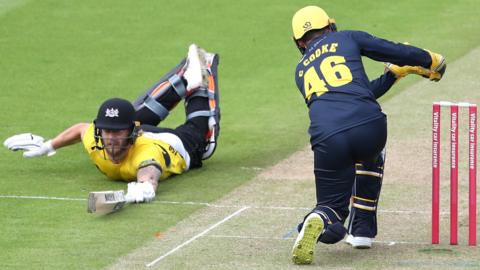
(195, 73)
(304, 248)
(359, 242)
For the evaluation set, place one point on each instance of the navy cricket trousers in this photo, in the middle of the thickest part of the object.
(335, 158)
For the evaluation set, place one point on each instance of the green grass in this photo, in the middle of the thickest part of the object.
(61, 59)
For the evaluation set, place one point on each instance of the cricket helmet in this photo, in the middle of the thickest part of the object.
(115, 114)
(310, 18)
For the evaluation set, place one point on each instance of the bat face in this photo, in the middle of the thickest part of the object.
(104, 202)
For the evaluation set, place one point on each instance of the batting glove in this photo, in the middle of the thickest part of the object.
(140, 192)
(33, 145)
(45, 149)
(147, 190)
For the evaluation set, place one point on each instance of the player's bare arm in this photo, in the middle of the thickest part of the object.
(104, 202)
(71, 135)
(150, 174)
(147, 182)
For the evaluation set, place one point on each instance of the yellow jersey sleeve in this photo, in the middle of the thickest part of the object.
(144, 152)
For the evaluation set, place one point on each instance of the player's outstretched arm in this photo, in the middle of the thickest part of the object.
(71, 135)
(36, 146)
(144, 189)
(411, 59)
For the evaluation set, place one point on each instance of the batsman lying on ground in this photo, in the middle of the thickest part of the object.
(124, 141)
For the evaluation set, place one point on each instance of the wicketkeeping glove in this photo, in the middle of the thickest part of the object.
(402, 71)
(435, 73)
(438, 67)
(32, 145)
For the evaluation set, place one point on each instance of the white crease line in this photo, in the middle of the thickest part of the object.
(196, 237)
(196, 203)
(252, 168)
(41, 198)
(287, 207)
(408, 212)
(392, 243)
(248, 237)
(234, 206)
(411, 212)
(388, 243)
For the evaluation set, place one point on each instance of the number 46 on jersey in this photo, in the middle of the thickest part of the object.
(334, 72)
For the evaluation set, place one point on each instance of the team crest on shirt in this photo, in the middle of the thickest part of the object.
(112, 112)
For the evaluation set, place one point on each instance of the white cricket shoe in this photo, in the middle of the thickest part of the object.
(208, 57)
(196, 70)
(359, 241)
(304, 247)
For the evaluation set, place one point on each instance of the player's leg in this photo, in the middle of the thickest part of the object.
(209, 91)
(155, 104)
(191, 133)
(200, 130)
(334, 171)
(334, 177)
(367, 188)
(362, 227)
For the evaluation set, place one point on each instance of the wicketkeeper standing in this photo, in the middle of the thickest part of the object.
(347, 126)
(124, 141)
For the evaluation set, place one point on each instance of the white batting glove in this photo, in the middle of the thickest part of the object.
(33, 145)
(147, 190)
(140, 192)
(24, 141)
(133, 193)
(45, 149)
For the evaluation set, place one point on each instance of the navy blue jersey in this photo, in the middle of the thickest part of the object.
(382, 84)
(332, 79)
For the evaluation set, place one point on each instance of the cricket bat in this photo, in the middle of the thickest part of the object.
(105, 202)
